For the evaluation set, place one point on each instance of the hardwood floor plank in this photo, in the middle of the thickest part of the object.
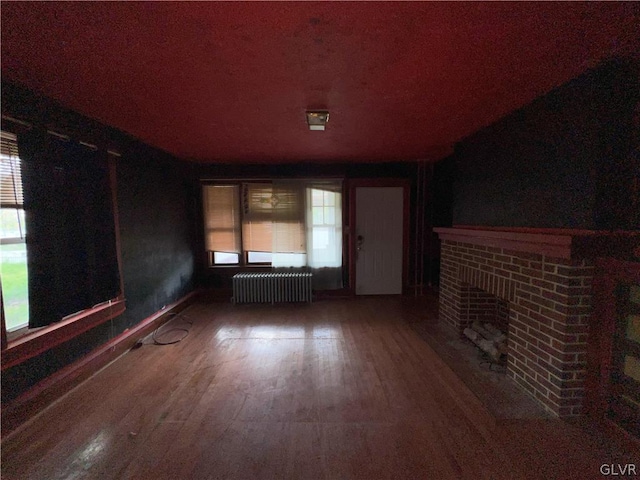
(340, 389)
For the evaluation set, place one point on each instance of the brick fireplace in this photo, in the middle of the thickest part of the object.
(541, 283)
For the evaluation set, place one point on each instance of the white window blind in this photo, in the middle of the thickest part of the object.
(273, 217)
(285, 223)
(10, 173)
(288, 235)
(257, 210)
(222, 218)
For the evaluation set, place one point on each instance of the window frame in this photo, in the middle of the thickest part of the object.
(324, 225)
(10, 153)
(243, 256)
(247, 262)
(32, 342)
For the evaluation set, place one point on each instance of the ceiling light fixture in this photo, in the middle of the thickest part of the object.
(317, 119)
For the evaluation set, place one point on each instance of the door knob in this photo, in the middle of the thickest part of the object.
(359, 242)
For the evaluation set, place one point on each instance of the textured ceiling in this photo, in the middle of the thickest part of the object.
(230, 82)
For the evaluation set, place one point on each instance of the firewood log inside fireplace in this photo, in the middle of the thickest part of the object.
(488, 338)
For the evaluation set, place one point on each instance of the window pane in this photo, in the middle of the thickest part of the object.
(324, 237)
(259, 257)
(320, 238)
(324, 246)
(317, 199)
(329, 215)
(224, 258)
(329, 199)
(13, 268)
(23, 224)
(289, 259)
(11, 223)
(318, 216)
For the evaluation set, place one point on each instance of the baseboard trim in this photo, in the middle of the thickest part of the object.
(338, 293)
(27, 406)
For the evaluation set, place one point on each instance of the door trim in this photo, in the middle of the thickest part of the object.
(354, 183)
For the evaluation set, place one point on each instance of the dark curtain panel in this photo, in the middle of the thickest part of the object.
(71, 247)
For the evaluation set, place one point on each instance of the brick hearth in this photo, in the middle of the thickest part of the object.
(546, 280)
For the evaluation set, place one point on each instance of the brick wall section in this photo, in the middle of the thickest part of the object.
(476, 304)
(549, 308)
(501, 319)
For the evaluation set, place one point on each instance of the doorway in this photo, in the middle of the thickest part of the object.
(378, 239)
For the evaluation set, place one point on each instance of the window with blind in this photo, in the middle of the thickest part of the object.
(11, 198)
(222, 223)
(257, 210)
(274, 223)
(13, 248)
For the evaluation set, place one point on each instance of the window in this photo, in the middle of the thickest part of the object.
(258, 203)
(324, 213)
(283, 223)
(69, 212)
(60, 269)
(13, 248)
(222, 223)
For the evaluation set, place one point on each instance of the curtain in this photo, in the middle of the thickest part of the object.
(71, 246)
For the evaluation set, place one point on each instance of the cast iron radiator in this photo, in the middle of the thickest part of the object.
(272, 287)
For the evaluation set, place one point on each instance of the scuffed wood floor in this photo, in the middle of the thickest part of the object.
(338, 389)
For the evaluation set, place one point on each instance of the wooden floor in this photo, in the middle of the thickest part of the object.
(338, 389)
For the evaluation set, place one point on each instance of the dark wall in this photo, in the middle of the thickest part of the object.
(156, 203)
(156, 213)
(442, 192)
(438, 213)
(309, 170)
(567, 160)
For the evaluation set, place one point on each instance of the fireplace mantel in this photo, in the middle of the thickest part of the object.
(558, 243)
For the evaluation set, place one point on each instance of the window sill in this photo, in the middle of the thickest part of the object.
(42, 339)
(19, 333)
(263, 266)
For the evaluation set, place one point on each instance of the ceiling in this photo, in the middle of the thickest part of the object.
(230, 82)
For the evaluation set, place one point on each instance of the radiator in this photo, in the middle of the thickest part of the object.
(272, 287)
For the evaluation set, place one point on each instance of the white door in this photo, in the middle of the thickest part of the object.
(379, 229)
